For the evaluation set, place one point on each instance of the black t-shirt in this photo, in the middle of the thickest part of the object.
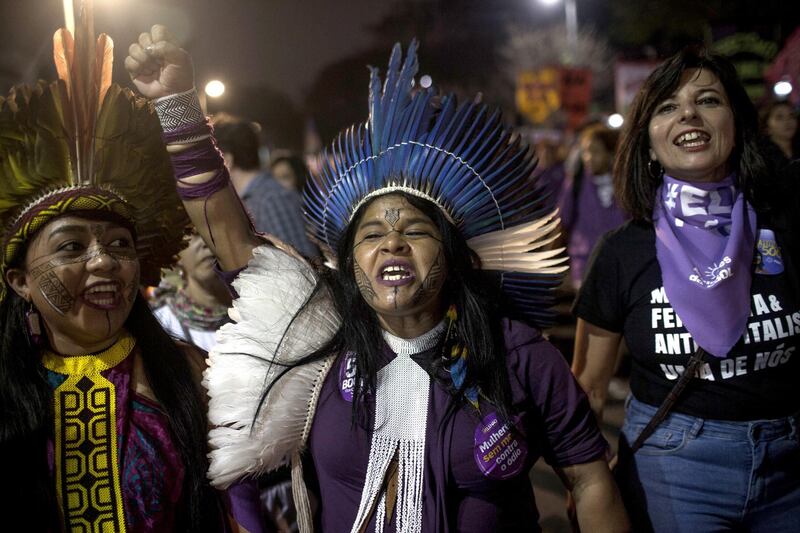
(623, 292)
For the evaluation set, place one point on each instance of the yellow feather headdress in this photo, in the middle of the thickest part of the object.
(83, 144)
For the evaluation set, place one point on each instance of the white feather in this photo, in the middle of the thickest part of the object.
(515, 248)
(244, 362)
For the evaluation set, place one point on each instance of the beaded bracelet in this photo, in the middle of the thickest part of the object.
(179, 110)
(183, 122)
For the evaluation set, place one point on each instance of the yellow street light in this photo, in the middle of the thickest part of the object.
(215, 88)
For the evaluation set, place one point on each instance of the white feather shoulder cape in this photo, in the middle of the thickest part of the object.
(272, 289)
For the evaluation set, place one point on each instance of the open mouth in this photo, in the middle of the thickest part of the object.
(105, 295)
(693, 139)
(396, 273)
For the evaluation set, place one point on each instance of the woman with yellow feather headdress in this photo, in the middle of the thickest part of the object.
(102, 420)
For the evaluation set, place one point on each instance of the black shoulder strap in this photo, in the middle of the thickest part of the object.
(691, 369)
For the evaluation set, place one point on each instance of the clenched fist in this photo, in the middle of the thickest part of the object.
(157, 66)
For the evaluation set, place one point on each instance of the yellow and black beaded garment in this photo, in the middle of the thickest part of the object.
(86, 441)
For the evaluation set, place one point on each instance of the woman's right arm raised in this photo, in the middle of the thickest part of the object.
(163, 72)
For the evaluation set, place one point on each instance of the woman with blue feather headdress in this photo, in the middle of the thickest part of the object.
(409, 381)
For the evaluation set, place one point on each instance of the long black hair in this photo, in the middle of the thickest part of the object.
(26, 417)
(172, 381)
(478, 326)
(25, 423)
(635, 186)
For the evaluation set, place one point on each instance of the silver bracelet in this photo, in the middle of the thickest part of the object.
(179, 110)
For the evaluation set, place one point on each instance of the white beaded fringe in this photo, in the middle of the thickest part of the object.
(401, 412)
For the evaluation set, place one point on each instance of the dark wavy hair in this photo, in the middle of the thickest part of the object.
(766, 110)
(239, 138)
(474, 293)
(296, 163)
(26, 418)
(634, 185)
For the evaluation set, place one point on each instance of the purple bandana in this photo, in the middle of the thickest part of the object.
(705, 240)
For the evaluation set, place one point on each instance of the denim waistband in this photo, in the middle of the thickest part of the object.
(640, 413)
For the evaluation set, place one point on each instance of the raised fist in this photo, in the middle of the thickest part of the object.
(157, 66)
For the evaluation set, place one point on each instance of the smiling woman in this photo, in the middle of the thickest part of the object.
(82, 275)
(102, 423)
(692, 132)
(685, 284)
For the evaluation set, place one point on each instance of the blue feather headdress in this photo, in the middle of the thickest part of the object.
(460, 157)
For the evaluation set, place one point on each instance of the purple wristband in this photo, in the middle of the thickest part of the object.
(197, 159)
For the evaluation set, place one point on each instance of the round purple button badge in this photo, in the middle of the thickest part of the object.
(499, 451)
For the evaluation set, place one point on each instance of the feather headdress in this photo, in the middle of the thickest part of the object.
(460, 157)
(83, 144)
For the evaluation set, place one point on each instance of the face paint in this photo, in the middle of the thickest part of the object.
(433, 281)
(82, 277)
(391, 216)
(131, 289)
(97, 230)
(51, 288)
(399, 263)
(364, 285)
(55, 293)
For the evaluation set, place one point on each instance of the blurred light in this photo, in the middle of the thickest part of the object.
(215, 88)
(425, 81)
(615, 121)
(549, 2)
(69, 16)
(782, 88)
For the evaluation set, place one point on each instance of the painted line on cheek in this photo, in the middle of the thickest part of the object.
(429, 283)
(55, 293)
(363, 282)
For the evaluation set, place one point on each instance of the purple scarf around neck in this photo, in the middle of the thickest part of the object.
(705, 239)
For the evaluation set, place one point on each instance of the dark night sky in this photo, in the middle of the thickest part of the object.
(278, 43)
(270, 53)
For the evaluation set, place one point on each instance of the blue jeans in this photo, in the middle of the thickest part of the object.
(696, 476)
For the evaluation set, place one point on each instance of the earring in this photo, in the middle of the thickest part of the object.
(657, 174)
(34, 326)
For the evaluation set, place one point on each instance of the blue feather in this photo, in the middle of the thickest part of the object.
(437, 147)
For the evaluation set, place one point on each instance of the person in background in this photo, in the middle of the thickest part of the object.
(288, 169)
(702, 285)
(549, 172)
(198, 306)
(587, 204)
(272, 208)
(778, 121)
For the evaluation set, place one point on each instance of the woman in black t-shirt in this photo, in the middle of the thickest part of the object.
(706, 261)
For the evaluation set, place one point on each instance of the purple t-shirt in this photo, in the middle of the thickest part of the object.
(476, 471)
(586, 216)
